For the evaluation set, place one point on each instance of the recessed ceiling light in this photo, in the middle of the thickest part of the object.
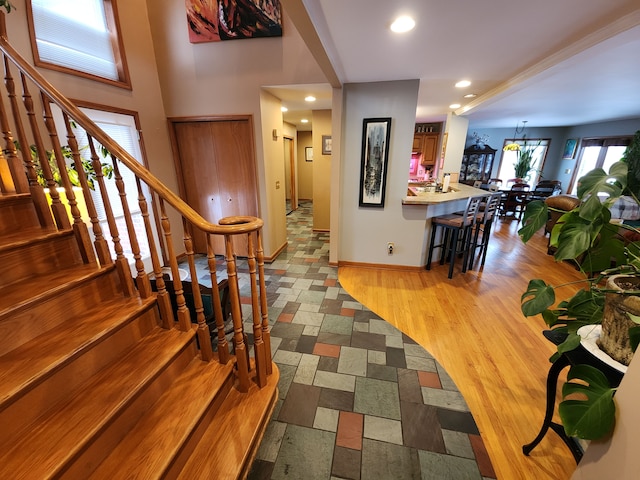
(454, 105)
(403, 24)
(470, 95)
(463, 83)
(304, 120)
(284, 109)
(310, 98)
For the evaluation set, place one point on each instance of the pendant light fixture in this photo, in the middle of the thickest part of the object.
(515, 146)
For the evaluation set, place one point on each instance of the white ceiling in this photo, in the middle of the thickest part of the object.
(550, 62)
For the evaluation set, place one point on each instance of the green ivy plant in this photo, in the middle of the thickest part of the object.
(87, 165)
(586, 237)
(7, 5)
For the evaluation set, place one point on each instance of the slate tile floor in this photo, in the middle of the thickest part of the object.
(358, 399)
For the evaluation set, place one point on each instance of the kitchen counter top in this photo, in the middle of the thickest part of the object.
(457, 191)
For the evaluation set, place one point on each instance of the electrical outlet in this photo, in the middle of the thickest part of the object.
(277, 184)
(390, 247)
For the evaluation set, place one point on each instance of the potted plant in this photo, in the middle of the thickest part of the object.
(525, 163)
(608, 254)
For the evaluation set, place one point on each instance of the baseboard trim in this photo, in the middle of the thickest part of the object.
(380, 266)
(321, 230)
(271, 258)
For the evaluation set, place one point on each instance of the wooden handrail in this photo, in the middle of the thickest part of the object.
(248, 224)
(173, 310)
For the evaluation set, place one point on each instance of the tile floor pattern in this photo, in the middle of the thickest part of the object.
(358, 399)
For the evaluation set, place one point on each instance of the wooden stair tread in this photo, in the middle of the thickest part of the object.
(29, 235)
(7, 199)
(62, 432)
(238, 427)
(25, 366)
(35, 289)
(152, 444)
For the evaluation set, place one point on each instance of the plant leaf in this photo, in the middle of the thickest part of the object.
(634, 334)
(538, 297)
(591, 418)
(570, 343)
(598, 181)
(535, 216)
(574, 238)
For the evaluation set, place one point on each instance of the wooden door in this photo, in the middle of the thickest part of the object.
(216, 163)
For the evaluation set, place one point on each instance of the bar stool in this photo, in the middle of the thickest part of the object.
(484, 221)
(456, 234)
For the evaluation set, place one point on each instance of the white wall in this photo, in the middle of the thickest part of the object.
(274, 178)
(221, 78)
(453, 143)
(364, 232)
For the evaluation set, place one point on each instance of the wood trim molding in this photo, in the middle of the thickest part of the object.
(271, 258)
(379, 266)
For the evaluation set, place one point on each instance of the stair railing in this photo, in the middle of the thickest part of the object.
(33, 155)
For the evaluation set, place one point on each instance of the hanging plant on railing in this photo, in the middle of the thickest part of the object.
(7, 5)
(74, 177)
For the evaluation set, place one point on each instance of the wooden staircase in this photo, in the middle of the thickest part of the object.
(92, 386)
(99, 376)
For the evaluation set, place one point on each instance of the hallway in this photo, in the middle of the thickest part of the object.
(357, 398)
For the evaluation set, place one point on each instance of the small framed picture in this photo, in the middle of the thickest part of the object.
(570, 149)
(308, 154)
(326, 144)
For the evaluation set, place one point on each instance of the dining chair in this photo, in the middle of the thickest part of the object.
(514, 201)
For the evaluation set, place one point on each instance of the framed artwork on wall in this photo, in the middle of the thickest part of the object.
(216, 20)
(570, 149)
(375, 157)
(326, 144)
(308, 154)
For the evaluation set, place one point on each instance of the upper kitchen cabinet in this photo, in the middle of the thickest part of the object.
(426, 138)
(477, 163)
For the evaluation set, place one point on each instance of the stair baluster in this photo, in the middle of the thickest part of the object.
(240, 349)
(266, 333)
(258, 344)
(223, 345)
(124, 271)
(142, 281)
(204, 336)
(184, 318)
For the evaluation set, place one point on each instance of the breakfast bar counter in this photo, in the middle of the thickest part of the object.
(426, 205)
(457, 191)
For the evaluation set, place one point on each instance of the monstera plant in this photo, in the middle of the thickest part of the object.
(601, 249)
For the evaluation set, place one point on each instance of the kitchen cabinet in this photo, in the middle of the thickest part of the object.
(477, 163)
(426, 144)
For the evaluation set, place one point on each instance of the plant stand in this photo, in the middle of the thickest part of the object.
(578, 356)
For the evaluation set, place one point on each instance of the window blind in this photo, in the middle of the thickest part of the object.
(74, 34)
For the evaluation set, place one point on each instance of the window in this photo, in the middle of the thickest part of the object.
(79, 37)
(123, 129)
(597, 153)
(538, 147)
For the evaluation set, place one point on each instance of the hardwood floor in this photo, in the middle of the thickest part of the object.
(473, 326)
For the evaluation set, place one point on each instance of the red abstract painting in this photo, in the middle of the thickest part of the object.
(216, 20)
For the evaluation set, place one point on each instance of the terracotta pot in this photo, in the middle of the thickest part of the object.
(614, 339)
